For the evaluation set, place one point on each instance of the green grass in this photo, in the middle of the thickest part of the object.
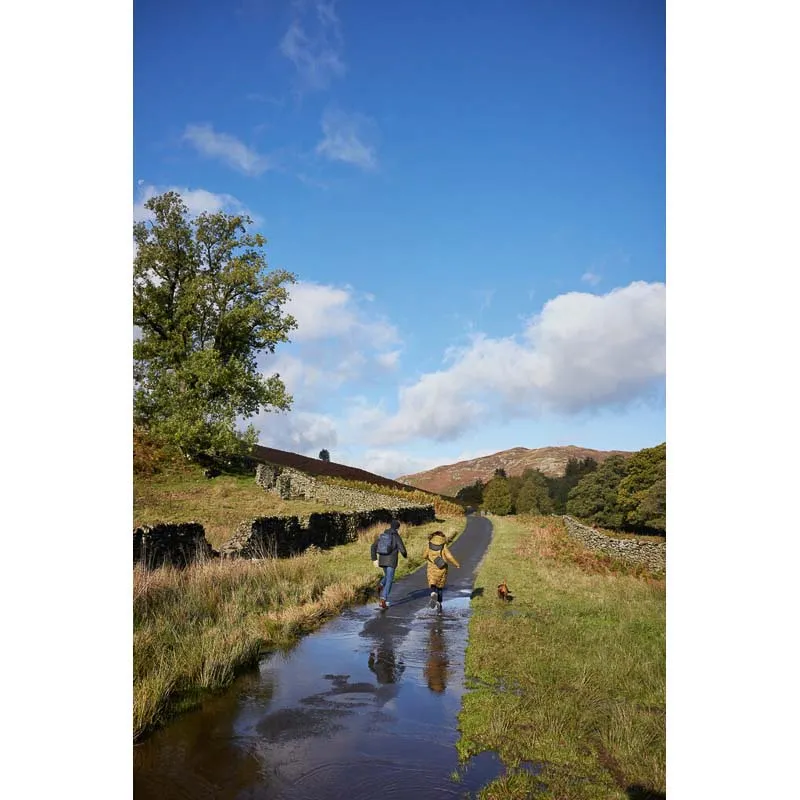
(196, 628)
(182, 494)
(571, 673)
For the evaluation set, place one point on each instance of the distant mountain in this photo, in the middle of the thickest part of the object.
(551, 461)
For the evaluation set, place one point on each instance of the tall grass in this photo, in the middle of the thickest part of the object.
(195, 628)
(572, 672)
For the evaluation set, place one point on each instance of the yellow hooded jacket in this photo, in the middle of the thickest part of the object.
(436, 576)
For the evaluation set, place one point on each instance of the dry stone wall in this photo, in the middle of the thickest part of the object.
(652, 554)
(182, 543)
(283, 536)
(179, 544)
(291, 484)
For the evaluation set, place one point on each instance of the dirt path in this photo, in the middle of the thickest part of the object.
(365, 707)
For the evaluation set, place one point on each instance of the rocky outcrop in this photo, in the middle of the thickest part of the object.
(280, 537)
(292, 484)
(653, 555)
(178, 544)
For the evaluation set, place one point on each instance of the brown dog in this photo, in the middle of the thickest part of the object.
(503, 591)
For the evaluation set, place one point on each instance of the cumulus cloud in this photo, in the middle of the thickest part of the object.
(226, 148)
(313, 43)
(340, 340)
(582, 352)
(326, 312)
(303, 432)
(393, 463)
(197, 201)
(346, 138)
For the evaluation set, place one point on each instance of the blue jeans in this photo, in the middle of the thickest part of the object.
(386, 583)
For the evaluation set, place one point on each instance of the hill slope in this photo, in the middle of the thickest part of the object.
(552, 461)
(316, 467)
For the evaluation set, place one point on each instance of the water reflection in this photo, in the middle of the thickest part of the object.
(383, 662)
(435, 671)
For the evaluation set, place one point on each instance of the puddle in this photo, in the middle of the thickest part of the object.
(486, 767)
(365, 707)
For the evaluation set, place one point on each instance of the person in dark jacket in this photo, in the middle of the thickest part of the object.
(388, 562)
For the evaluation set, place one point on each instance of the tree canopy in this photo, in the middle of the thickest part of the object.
(642, 493)
(497, 496)
(534, 494)
(472, 494)
(595, 496)
(206, 306)
(324, 455)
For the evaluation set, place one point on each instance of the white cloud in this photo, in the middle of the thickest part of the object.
(339, 341)
(346, 139)
(226, 148)
(590, 278)
(303, 432)
(314, 44)
(197, 201)
(318, 372)
(582, 352)
(327, 312)
(388, 360)
(392, 463)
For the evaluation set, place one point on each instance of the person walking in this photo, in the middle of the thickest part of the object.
(383, 553)
(437, 556)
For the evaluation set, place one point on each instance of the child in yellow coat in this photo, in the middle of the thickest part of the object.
(437, 556)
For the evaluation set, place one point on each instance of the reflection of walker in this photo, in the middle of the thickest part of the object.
(436, 666)
(383, 663)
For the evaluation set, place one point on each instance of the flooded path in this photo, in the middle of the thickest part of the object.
(365, 707)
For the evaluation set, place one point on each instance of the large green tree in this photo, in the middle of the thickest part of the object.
(594, 499)
(472, 494)
(559, 488)
(206, 306)
(534, 494)
(642, 493)
(497, 496)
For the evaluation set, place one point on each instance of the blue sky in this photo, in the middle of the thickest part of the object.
(471, 195)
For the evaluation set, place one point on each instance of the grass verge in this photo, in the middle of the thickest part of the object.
(196, 628)
(570, 674)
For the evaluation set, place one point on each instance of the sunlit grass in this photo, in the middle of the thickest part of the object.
(572, 672)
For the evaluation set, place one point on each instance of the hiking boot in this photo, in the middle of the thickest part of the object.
(432, 603)
(382, 603)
